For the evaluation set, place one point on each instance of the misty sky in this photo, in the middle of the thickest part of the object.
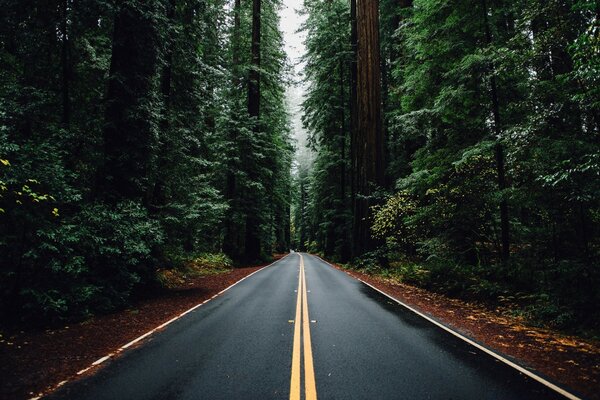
(290, 23)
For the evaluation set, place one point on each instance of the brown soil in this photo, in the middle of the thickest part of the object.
(35, 362)
(570, 361)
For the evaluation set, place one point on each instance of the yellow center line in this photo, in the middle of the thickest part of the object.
(295, 381)
(310, 388)
(302, 321)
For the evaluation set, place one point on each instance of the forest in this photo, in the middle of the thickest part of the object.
(454, 145)
(136, 135)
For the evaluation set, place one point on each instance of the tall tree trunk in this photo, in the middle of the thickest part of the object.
(158, 194)
(302, 224)
(345, 249)
(253, 244)
(368, 146)
(498, 149)
(231, 238)
(390, 55)
(65, 63)
(353, 97)
(130, 125)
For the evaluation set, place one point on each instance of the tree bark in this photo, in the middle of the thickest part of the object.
(166, 78)
(498, 150)
(253, 242)
(368, 144)
(129, 131)
(353, 96)
(231, 241)
(65, 63)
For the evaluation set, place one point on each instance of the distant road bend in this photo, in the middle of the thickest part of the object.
(302, 329)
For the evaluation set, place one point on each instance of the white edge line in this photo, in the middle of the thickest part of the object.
(84, 370)
(145, 335)
(525, 371)
(101, 360)
(192, 309)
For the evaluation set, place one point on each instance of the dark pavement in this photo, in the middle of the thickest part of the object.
(239, 346)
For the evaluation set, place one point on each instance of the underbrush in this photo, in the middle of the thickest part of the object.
(203, 265)
(560, 303)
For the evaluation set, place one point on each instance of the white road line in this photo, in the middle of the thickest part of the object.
(193, 308)
(101, 360)
(134, 341)
(145, 335)
(497, 356)
(83, 371)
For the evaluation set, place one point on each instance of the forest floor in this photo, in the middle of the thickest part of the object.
(570, 361)
(35, 362)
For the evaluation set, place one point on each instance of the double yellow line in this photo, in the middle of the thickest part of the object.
(310, 389)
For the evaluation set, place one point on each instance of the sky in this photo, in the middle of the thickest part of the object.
(290, 24)
(294, 47)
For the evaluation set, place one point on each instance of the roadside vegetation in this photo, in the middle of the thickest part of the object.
(491, 127)
(204, 265)
(454, 145)
(130, 157)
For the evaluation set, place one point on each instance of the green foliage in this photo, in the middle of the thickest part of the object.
(91, 262)
(324, 198)
(213, 262)
(392, 220)
(258, 153)
(369, 262)
(486, 105)
(115, 122)
(203, 265)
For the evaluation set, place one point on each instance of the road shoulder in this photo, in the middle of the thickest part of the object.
(35, 362)
(567, 360)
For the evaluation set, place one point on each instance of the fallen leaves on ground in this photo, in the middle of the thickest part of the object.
(568, 360)
(34, 362)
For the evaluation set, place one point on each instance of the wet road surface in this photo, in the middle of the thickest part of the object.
(302, 329)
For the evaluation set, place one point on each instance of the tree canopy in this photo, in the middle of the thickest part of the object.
(120, 123)
(491, 140)
(455, 145)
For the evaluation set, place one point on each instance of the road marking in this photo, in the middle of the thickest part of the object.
(310, 388)
(302, 342)
(83, 371)
(295, 378)
(145, 335)
(497, 356)
(101, 360)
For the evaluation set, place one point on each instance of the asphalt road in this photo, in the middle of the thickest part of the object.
(289, 332)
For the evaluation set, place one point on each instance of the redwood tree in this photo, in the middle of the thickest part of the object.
(368, 137)
(253, 245)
